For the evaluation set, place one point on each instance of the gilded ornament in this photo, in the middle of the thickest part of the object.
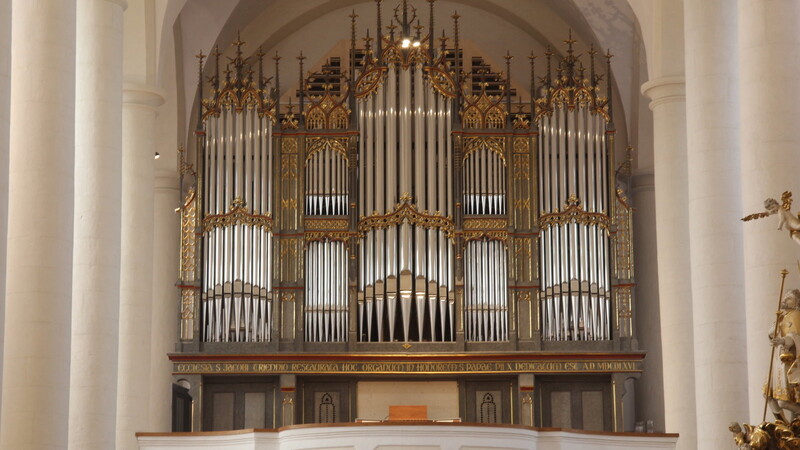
(238, 214)
(405, 211)
(328, 111)
(574, 213)
(495, 144)
(315, 145)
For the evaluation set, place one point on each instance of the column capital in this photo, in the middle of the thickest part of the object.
(142, 95)
(665, 90)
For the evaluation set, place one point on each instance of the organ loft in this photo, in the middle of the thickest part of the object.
(410, 227)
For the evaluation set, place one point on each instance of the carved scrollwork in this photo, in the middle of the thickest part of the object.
(369, 81)
(496, 144)
(237, 215)
(574, 213)
(405, 211)
(317, 144)
(442, 81)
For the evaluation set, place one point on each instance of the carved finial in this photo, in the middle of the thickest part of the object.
(301, 58)
(277, 60)
(443, 41)
(379, 29)
(608, 56)
(455, 18)
(391, 28)
(368, 43)
(549, 53)
(216, 53)
(352, 17)
(238, 43)
(260, 55)
(430, 31)
(508, 59)
(532, 59)
(592, 74)
(200, 56)
(418, 28)
(569, 41)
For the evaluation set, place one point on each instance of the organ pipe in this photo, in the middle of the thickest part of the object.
(575, 215)
(236, 154)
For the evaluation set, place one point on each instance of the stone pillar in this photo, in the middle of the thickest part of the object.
(714, 212)
(139, 110)
(650, 386)
(96, 270)
(769, 73)
(165, 298)
(668, 95)
(5, 93)
(40, 207)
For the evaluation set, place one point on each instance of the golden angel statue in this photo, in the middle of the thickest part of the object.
(785, 216)
(783, 387)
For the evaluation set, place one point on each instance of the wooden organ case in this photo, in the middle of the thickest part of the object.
(400, 220)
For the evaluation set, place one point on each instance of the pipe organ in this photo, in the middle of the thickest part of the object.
(403, 198)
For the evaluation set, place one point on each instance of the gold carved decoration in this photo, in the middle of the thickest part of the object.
(395, 54)
(289, 121)
(522, 167)
(483, 110)
(289, 146)
(318, 144)
(441, 80)
(574, 213)
(189, 236)
(326, 229)
(521, 145)
(288, 297)
(289, 203)
(328, 111)
(242, 88)
(188, 296)
(624, 296)
(570, 89)
(492, 229)
(237, 215)
(184, 168)
(288, 167)
(369, 81)
(496, 144)
(623, 239)
(520, 122)
(405, 211)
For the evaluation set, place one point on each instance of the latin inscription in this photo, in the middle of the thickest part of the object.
(409, 367)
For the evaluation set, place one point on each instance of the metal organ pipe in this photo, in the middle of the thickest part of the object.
(236, 291)
(406, 271)
(572, 168)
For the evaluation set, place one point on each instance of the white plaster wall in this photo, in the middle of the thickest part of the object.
(375, 397)
(429, 437)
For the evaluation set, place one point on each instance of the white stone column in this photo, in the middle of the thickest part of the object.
(96, 254)
(39, 269)
(166, 297)
(668, 104)
(139, 111)
(650, 386)
(769, 73)
(714, 211)
(5, 93)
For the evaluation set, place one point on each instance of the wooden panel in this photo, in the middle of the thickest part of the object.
(408, 412)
